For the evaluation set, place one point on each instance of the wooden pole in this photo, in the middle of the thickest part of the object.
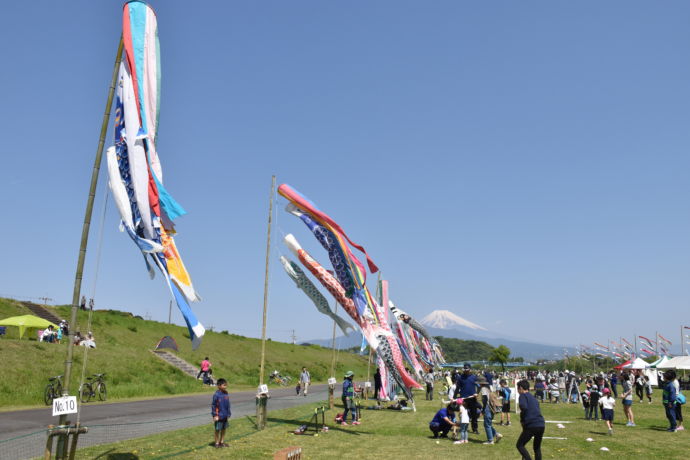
(49, 445)
(85, 237)
(262, 397)
(682, 341)
(331, 387)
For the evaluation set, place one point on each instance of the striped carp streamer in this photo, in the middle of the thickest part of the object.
(305, 284)
(135, 176)
(379, 339)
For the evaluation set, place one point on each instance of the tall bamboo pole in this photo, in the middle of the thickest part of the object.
(331, 387)
(335, 310)
(262, 397)
(85, 235)
(682, 341)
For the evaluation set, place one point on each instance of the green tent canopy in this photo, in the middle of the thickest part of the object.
(25, 322)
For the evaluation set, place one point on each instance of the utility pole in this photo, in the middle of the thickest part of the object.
(45, 300)
(170, 313)
(293, 337)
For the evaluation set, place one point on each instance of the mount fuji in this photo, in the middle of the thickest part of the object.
(445, 323)
(445, 319)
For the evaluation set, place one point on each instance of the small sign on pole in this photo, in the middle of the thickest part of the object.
(332, 381)
(263, 389)
(367, 384)
(64, 405)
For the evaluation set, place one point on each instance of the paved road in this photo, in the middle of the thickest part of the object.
(126, 420)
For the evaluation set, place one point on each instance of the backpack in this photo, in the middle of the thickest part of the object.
(339, 418)
(494, 403)
(680, 399)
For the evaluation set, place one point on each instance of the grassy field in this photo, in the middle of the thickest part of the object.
(393, 434)
(124, 354)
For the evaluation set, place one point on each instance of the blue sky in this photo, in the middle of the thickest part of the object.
(523, 164)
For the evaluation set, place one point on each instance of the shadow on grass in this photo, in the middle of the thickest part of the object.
(658, 428)
(110, 455)
(252, 420)
(298, 423)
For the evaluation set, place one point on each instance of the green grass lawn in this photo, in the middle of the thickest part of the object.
(123, 352)
(393, 434)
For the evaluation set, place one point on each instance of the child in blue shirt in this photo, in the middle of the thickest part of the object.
(504, 392)
(220, 411)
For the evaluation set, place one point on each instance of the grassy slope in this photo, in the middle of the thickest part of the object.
(390, 434)
(123, 352)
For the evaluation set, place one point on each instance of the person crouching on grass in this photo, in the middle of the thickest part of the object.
(220, 410)
(443, 420)
(531, 420)
(607, 405)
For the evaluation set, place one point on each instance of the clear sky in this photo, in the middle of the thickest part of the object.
(522, 164)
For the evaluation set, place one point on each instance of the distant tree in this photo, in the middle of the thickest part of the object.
(518, 359)
(500, 355)
(457, 350)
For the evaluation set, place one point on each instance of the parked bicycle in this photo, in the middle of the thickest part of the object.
(282, 380)
(53, 390)
(94, 386)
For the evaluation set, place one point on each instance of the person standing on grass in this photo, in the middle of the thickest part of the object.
(627, 397)
(594, 397)
(504, 392)
(348, 398)
(680, 400)
(220, 411)
(377, 384)
(305, 380)
(531, 420)
(464, 417)
(614, 383)
(669, 399)
(649, 391)
(490, 408)
(429, 380)
(205, 366)
(561, 387)
(639, 385)
(466, 388)
(607, 404)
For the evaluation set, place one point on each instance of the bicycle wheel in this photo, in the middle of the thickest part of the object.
(85, 392)
(283, 382)
(48, 395)
(101, 391)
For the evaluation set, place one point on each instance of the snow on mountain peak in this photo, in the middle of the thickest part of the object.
(444, 319)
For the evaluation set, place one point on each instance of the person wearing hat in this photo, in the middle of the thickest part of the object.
(488, 408)
(466, 388)
(348, 398)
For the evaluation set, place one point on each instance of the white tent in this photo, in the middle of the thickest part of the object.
(679, 362)
(660, 362)
(639, 363)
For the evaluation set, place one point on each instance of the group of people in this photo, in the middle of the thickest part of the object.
(85, 341)
(473, 396)
(82, 304)
(54, 335)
